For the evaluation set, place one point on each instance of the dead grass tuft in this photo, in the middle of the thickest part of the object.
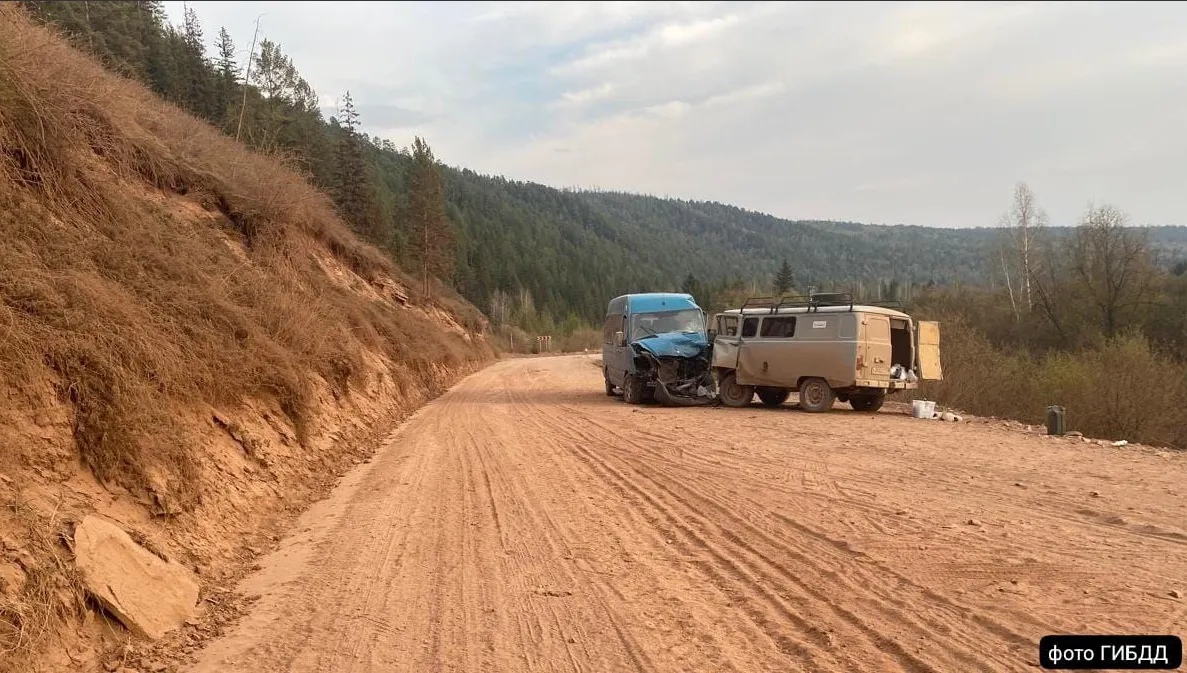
(50, 590)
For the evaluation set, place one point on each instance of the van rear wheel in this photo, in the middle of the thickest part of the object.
(816, 395)
(867, 401)
(734, 395)
(773, 397)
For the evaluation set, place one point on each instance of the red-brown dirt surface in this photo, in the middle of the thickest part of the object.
(526, 522)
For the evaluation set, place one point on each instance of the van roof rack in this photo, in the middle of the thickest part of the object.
(833, 299)
(760, 302)
(809, 301)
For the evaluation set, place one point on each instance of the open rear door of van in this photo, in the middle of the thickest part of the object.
(928, 348)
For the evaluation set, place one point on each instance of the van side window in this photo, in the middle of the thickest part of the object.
(778, 328)
(729, 326)
(750, 327)
(613, 324)
(847, 329)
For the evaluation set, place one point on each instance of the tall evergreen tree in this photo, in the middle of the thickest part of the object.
(784, 279)
(228, 79)
(198, 94)
(431, 239)
(353, 191)
(160, 68)
(288, 118)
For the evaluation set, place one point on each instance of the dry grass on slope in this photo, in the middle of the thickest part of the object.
(136, 309)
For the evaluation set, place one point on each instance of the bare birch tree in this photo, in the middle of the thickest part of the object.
(1023, 225)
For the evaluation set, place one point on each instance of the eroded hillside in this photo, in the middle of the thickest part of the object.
(192, 343)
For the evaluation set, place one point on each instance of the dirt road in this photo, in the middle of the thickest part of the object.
(526, 522)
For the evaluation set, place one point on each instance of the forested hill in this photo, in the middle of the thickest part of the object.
(574, 249)
(577, 248)
(559, 254)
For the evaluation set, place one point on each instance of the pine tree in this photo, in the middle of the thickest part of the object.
(784, 279)
(198, 95)
(431, 239)
(353, 189)
(228, 79)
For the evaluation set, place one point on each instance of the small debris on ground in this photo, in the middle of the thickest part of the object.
(1120, 442)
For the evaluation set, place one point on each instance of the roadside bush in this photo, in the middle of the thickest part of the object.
(582, 339)
(510, 339)
(1121, 389)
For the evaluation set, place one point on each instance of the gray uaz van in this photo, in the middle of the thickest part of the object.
(826, 347)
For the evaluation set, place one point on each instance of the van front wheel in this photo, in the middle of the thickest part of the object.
(773, 397)
(734, 395)
(816, 395)
(632, 389)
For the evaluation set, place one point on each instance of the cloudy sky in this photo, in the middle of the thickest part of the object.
(918, 113)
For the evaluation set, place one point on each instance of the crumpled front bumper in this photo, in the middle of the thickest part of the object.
(684, 381)
(701, 395)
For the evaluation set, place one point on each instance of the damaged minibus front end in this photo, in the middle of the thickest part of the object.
(677, 367)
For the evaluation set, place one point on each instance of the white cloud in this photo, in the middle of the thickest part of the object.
(684, 33)
(665, 36)
(585, 96)
(749, 93)
(670, 110)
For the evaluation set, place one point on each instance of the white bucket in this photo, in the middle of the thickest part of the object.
(923, 408)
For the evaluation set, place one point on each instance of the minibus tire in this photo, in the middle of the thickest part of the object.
(632, 390)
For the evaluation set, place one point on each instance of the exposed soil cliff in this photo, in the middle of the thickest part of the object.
(192, 344)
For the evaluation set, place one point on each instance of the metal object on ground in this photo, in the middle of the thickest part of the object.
(1056, 424)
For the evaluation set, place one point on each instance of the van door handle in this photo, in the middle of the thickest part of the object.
(876, 360)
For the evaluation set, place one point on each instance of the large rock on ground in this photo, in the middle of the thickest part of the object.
(148, 595)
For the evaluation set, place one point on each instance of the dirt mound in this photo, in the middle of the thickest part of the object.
(192, 343)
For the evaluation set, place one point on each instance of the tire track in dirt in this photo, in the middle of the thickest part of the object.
(756, 577)
(896, 609)
(539, 419)
(752, 575)
(491, 467)
(962, 612)
(526, 522)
